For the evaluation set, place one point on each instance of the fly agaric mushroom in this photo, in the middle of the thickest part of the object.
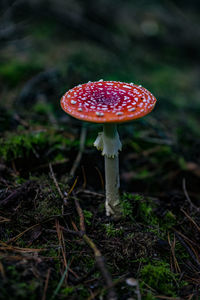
(109, 103)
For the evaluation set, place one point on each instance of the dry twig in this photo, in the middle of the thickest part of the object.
(192, 221)
(188, 197)
(46, 284)
(172, 246)
(81, 149)
(62, 247)
(73, 186)
(98, 256)
(55, 181)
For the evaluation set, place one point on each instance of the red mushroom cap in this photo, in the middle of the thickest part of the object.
(108, 102)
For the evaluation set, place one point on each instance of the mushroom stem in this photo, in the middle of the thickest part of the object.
(108, 141)
(112, 185)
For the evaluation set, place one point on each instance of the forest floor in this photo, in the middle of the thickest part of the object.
(55, 240)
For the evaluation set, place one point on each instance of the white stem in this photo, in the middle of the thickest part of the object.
(112, 185)
(108, 141)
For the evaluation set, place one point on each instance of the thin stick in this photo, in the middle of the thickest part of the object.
(90, 193)
(81, 149)
(46, 284)
(81, 215)
(98, 256)
(187, 239)
(84, 177)
(60, 282)
(61, 242)
(22, 233)
(193, 222)
(172, 245)
(73, 186)
(188, 250)
(101, 178)
(2, 271)
(188, 197)
(55, 181)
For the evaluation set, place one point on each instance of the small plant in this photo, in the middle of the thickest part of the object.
(88, 216)
(111, 231)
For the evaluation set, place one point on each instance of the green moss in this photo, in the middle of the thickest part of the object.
(82, 292)
(44, 108)
(126, 205)
(143, 174)
(88, 216)
(47, 208)
(16, 287)
(168, 221)
(158, 276)
(66, 291)
(146, 213)
(149, 296)
(24, 143)
(111, 231)
(14, 71)
(20, 145)
(52, 252)
(137, 207)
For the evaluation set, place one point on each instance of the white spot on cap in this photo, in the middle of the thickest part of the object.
(99, 114)
(80, 109)
(128, 87)
(100, 80)
(73, 102)
(119, 113)
(131, 109)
